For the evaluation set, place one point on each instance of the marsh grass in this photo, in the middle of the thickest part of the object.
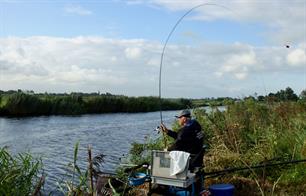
(252, 133)
(19, 174)
(82, 181)
(76, 182)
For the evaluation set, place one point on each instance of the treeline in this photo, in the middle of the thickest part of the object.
(28, 103)
(18, 103)
(280, 96)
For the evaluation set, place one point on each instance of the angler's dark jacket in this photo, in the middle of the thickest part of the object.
(188, 139)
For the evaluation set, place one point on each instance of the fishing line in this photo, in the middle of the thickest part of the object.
(166, 42)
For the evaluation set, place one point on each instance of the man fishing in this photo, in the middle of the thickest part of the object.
(189, 137)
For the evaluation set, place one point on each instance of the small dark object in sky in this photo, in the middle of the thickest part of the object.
(287, 46)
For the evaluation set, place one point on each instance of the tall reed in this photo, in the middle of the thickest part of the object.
(251, 133)
(19, 174)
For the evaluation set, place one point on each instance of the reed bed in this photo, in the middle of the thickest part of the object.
(249, 133)
(246, 134)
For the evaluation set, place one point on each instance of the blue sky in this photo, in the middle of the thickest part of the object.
(223, 48)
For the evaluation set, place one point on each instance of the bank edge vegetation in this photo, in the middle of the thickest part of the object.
(246, 134)
(27, 103)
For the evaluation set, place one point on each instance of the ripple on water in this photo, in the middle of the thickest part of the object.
(54, 137)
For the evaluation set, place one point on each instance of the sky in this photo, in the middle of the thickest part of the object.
(222, 48)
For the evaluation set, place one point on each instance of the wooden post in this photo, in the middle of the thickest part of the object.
(38, 186)
(90, 171)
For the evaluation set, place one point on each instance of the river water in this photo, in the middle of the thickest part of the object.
(53, 138)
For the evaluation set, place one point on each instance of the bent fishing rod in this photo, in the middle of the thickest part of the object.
(163, 53)
(166, 43)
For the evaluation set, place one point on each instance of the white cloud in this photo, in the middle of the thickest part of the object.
(237, 64)
(241, 75)
(284, 20)
(297, 58)
(131, 67)
(132, 53)
(77, 9)
(90, 63)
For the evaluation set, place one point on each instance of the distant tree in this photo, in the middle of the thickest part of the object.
(228, 101)
(303, 95)
(249, 98)
(11, 92)
(290, 95)
(280, 94)
(186, 102)
(272, 97)
(286, 95)
(260, 98)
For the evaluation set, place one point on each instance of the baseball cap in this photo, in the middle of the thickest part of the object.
(185, 113)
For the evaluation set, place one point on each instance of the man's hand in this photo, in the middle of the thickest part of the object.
(163, 128)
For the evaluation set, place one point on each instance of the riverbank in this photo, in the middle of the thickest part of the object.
(249, 134)
(27, 103)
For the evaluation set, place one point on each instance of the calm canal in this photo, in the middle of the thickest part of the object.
(53, 138)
